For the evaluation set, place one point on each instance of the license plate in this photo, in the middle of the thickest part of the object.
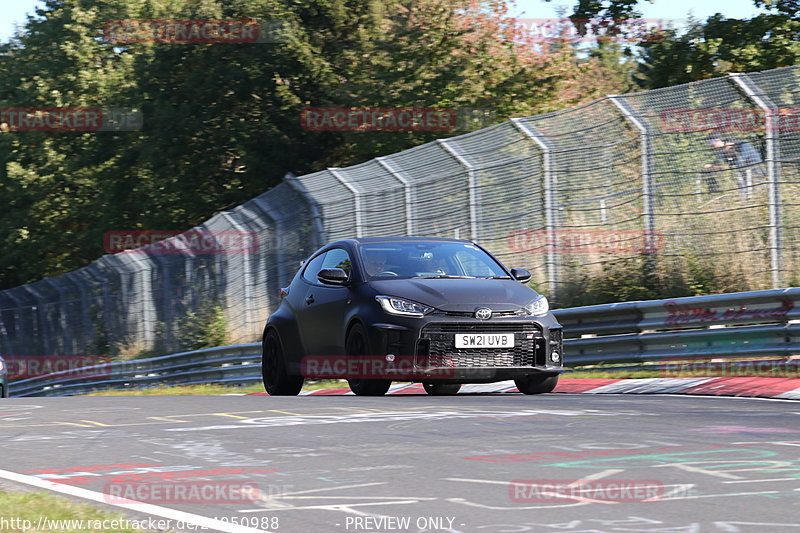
(484, 340)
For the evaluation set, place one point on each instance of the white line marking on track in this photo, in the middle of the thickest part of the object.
(763, 480)
(592, 477)
(720, 495)
(133, 505)
(578, 499)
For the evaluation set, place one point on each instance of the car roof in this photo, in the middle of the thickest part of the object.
(371, 240)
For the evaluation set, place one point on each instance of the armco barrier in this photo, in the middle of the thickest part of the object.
(238, 364)
(742, 324)
(736, 325)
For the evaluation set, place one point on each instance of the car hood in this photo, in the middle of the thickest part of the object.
(459, 295)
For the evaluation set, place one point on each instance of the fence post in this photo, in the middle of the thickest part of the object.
(356, 199)
(60, 317)
(100, 279)
(86, 322)
(648, 211)
(15, 337)
(553, 260)
(5, 339)
(247, 274)
(317, 224)
(763, 102)
(407, 187)
(167, 302)
(278, 232)
(42, 335)
(472, 180)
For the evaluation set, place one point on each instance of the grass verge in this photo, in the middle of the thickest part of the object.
(23, 511)
(212, 389)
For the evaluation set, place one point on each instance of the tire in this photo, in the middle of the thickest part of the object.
(357, 344)
(536, 383)
(441, 389)
(273, 369)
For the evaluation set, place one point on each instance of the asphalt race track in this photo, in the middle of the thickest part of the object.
(470, 463)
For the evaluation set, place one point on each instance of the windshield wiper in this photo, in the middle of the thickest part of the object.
(444, 276)
(497, 277)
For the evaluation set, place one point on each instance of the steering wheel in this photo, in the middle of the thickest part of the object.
(387, 273)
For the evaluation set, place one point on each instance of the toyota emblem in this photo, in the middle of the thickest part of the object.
(483, 313)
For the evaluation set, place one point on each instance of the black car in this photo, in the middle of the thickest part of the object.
(437, 311)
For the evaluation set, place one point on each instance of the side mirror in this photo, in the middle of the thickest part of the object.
(332, 276)
(521, 275)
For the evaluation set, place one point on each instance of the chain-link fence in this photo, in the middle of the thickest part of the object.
(684, 188)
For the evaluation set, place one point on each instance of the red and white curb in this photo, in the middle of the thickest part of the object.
(755, 387)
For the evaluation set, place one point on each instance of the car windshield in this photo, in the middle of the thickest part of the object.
(428, 260)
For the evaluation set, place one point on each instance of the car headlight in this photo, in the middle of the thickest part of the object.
(540, 306)
(2, 366)
(401, 306)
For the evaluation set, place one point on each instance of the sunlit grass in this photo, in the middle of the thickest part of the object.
(212, 389)
(18, 507)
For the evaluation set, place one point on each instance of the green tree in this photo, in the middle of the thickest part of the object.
(221, 121)
(714, 47)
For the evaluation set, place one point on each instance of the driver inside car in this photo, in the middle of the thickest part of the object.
(375, 263)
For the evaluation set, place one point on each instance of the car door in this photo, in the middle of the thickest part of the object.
(323, 310)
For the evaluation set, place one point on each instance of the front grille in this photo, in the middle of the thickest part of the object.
(471, 314)
(438, 344)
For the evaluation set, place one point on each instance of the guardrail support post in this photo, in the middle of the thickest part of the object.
(772, 125)
(316, 216)
(407, 187)
(648, 210)
(553, 261)
(277, 233)
(247, 274)
(359, 212)
(472, 180)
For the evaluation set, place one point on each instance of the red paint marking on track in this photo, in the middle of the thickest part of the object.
(745, 386)
(719, 386)
(329, 392)
(582, 384)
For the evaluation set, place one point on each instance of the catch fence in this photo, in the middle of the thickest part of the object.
(624, 188)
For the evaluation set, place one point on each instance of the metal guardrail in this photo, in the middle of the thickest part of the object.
(238, 364)
(736, 325)
(743, 324)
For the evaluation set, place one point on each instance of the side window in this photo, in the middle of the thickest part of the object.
(338, 258)
(313, 267)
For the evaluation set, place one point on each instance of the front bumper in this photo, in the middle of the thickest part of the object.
(430, 343)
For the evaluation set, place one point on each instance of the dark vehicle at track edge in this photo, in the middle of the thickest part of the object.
(437, 311)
